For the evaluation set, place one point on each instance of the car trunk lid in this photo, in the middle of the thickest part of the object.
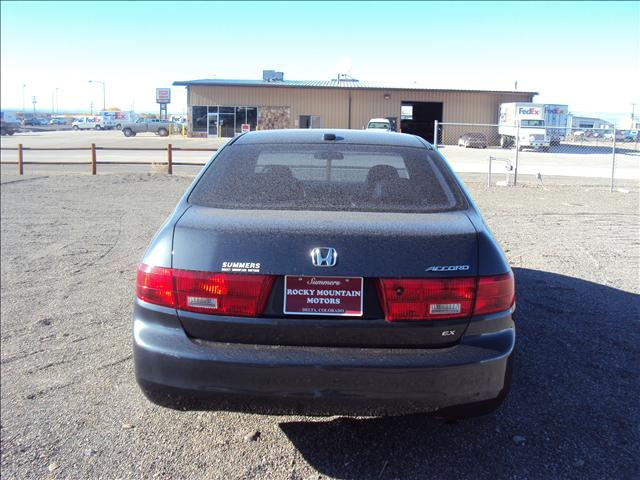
(368, 245)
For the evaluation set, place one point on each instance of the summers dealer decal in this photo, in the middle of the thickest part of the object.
(241, 267)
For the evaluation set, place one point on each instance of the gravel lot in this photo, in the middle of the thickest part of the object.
(71, 409)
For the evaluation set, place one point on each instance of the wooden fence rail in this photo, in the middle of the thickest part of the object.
(93, 159)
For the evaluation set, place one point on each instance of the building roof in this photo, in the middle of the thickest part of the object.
(327, 84)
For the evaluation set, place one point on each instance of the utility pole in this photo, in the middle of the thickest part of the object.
(92, 107)
(57, 109)
(632, 125)
(23, 87)
(34, 100)
(104, 97)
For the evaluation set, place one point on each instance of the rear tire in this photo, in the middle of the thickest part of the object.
(75, 127)
(127, 132)
(118, 127)
(98, 127)
(163, 132)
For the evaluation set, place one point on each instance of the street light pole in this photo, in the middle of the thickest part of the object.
(633, 116)
(23, 87)
(104, 97)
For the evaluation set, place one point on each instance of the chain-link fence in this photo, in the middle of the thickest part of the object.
(531, 148)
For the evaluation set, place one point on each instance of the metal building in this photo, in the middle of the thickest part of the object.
(225, 107)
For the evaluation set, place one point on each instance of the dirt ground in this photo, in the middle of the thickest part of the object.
(71, 409)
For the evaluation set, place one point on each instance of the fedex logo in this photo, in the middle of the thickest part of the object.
(528, 111)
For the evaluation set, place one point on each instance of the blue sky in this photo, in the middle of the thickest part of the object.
(586, 54)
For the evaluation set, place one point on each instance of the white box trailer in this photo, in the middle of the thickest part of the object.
(103, 121)
(556, 120)
(523, 120)
(117, 119)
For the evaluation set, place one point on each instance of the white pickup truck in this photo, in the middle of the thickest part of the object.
(379, 124)
(526, 121)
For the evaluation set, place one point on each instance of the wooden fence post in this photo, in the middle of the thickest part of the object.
(169, 160)
(93, 159)
(20, 160)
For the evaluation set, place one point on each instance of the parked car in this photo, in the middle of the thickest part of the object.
(34, 121)
(326, 271)
(57, 121)
(379, 124)
(630, 136)
(9, 123)
(153, 125)
(7, 128)
(473, 140)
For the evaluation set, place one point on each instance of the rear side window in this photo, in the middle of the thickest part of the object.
(328, 177)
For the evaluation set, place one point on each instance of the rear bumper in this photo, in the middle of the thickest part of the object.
(173, 369)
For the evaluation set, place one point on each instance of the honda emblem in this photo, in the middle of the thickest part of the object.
(324, 256)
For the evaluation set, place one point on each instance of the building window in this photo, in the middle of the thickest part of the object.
(252, 117)
(224, 121)
(199, 119)
(246, 115)
(310, 121)
(241, 117)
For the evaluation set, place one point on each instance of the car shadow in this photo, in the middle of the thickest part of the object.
(572, 412)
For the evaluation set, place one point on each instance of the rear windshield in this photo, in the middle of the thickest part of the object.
(328, 177)
(383, 125)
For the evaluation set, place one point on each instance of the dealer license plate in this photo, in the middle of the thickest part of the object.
(335, 296)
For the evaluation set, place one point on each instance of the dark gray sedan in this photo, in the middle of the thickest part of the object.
(325, 271)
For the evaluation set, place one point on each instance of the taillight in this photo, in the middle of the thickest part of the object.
(204, 292)
(495, 294)
(428, 298)
(444, 298)
(155, 285)
(222, 293)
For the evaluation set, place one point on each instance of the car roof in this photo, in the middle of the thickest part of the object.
(316, 135)
(380, 120)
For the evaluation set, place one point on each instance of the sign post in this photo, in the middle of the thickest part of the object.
(163, 97)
